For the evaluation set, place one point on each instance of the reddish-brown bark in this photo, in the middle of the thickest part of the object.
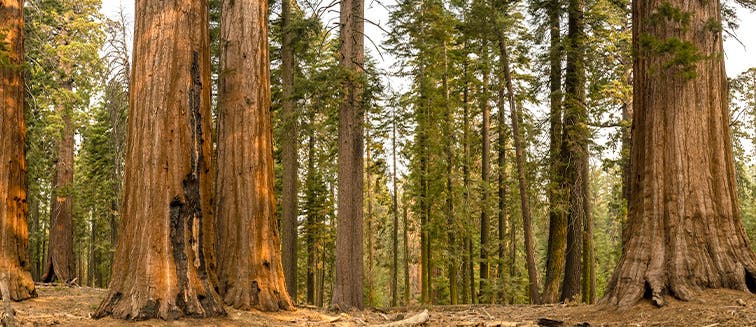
(14, 233)
(289, 153)
(60, 256)
(347, 290)
(684, 231)
(164, 263)
(249, 260)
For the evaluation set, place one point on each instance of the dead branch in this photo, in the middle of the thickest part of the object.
(416, 320)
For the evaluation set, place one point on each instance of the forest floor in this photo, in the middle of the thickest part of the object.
(64, 306)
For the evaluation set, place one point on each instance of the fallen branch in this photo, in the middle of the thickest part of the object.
(418, 319)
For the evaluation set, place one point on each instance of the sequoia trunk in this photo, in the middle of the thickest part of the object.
(250, 271)
(60, 256)
(164, 262)
(684, 231)
(15, 266)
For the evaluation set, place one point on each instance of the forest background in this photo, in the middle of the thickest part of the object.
(101, 49)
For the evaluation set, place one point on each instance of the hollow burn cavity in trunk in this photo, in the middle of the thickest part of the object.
(750, 278)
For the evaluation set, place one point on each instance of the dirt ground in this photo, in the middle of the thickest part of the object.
(65, 306)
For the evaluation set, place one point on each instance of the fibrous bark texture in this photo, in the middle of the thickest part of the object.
(164, 262)
(347, 290)
(575, 136)
(14, 232)
(684, 232)
(249, 262)
(557, 208)
(60, 256)
(289, 153)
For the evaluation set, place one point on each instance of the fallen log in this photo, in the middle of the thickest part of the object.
(416, 320)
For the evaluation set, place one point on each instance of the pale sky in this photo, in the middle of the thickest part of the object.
(738, 57)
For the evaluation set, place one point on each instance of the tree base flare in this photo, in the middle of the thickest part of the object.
(263, 299)
(635, 279)
(141, 307)
(17, 285)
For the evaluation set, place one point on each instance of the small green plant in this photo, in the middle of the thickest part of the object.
(683, 54)
(670, 13)
(713, 25)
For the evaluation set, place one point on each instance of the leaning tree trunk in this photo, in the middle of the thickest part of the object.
(164, 262)
(14, 232)
(249, 259)
(347, 289)
(684, 231)
(516, 116)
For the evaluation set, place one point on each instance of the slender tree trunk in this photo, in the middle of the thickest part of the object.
(502, 210)
(575, 150)
(117, 111)
(60, 258)
(15, 266)
(164, 262)
(310, 227)
(249, 264)
(35, 248)
(395, 214)
(321, 279)
(92, 264)
(369, 177)
(625, 133)
(451, 223)
(512, 253)
(468, 276)
(348, 291)
(589, 272)
(557, 207)
(289, 154)
(483, 296)
(405, 243)
(423, 120)
(515, 113)
(684, 231)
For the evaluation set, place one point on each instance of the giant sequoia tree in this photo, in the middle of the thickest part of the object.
(249, 261)
(684, 232)
(15, 266)
(164, 265)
